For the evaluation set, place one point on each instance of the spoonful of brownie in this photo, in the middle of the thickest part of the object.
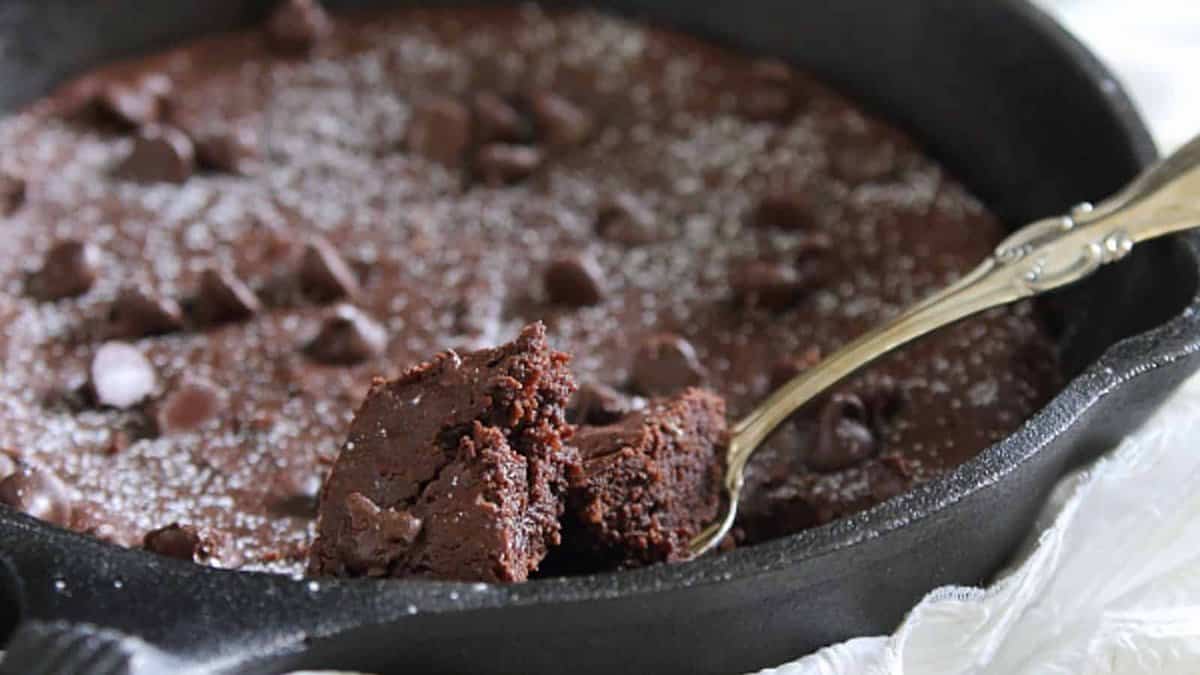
(1037, 258)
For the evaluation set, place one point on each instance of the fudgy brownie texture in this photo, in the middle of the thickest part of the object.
(651, 482)
(457, 469)
(211, 252)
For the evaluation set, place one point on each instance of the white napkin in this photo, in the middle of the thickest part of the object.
(1109, 580)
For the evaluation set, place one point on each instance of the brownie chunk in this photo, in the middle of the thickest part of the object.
(652, 481)
(458, 469)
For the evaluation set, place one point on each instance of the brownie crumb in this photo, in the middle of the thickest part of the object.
(457, 469)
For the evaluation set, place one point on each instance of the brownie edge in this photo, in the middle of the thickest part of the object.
(652, 481)
(457, 469)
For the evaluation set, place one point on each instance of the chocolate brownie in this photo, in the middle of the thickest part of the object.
(358, 192)
(457, 469)
(652, 481)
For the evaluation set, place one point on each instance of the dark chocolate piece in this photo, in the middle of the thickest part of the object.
(497, 121)
(324, 275)
(188, 542)
(559, 121)
(121, 377)
(34, 489)
(347, 336)
(440, 130)
(767, 284)
(69, 269)
(160, 154)
(222, 298)
(457, 469)
(12, 193)
(652, 481)
(786, 209)
(500, 163)
(188, 405)
(233, 149)
(624, 219)
(575, 280)
(138, 312)
(297, 26)
(664, 364)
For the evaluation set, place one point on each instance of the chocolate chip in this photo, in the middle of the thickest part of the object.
(324, 275)
(160, 154)
(68, 270)
(883, 397)
(844, 437)
(121, 377)
(222, 297)
(134, 104)
(575, 280)
(598, 404)
(624, 219)
(348, 336)
(559, 121)
(499, 163)
(787, 368)
(189, 404)
(35, 490)
(440, 130)
(12, 193)
(496, 121)
(664, 364)
(90, 519)
(769, 284)
(789, 209)
(234, 149)
(185, 542)
(138, 312)
(771, 94)
(296, 26)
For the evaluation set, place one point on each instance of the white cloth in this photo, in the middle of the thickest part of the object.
(1109, 580)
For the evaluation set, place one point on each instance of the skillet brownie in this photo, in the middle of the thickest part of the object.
(212, 252)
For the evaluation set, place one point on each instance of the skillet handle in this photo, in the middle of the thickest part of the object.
(60, 648)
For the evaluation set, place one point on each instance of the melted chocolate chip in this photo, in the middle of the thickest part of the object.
(559, 121)
(185, 542)
(139, 312)
(348, 336)
(769, 284)
(188, 405)
(496, 121)
(233, 150)
(785, 209)
(324, 274)
(664, 364)
(624, 219)
(134, 104)
(35, 490)
(844, 437)
(12, 193)
(575, 280)
(597, 404)
(68, 270)
(440, 130)
(222, 298)
(500, 163)
(786, 368)
(160, 154)
(121, 377)
(296, 26)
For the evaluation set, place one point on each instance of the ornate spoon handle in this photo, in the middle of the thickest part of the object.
(1039, 257)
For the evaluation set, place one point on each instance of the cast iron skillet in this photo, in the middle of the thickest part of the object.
(998, 92)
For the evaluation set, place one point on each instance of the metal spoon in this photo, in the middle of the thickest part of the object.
(1039, 257)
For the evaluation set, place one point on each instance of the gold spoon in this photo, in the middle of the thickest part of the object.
(1039, 257)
